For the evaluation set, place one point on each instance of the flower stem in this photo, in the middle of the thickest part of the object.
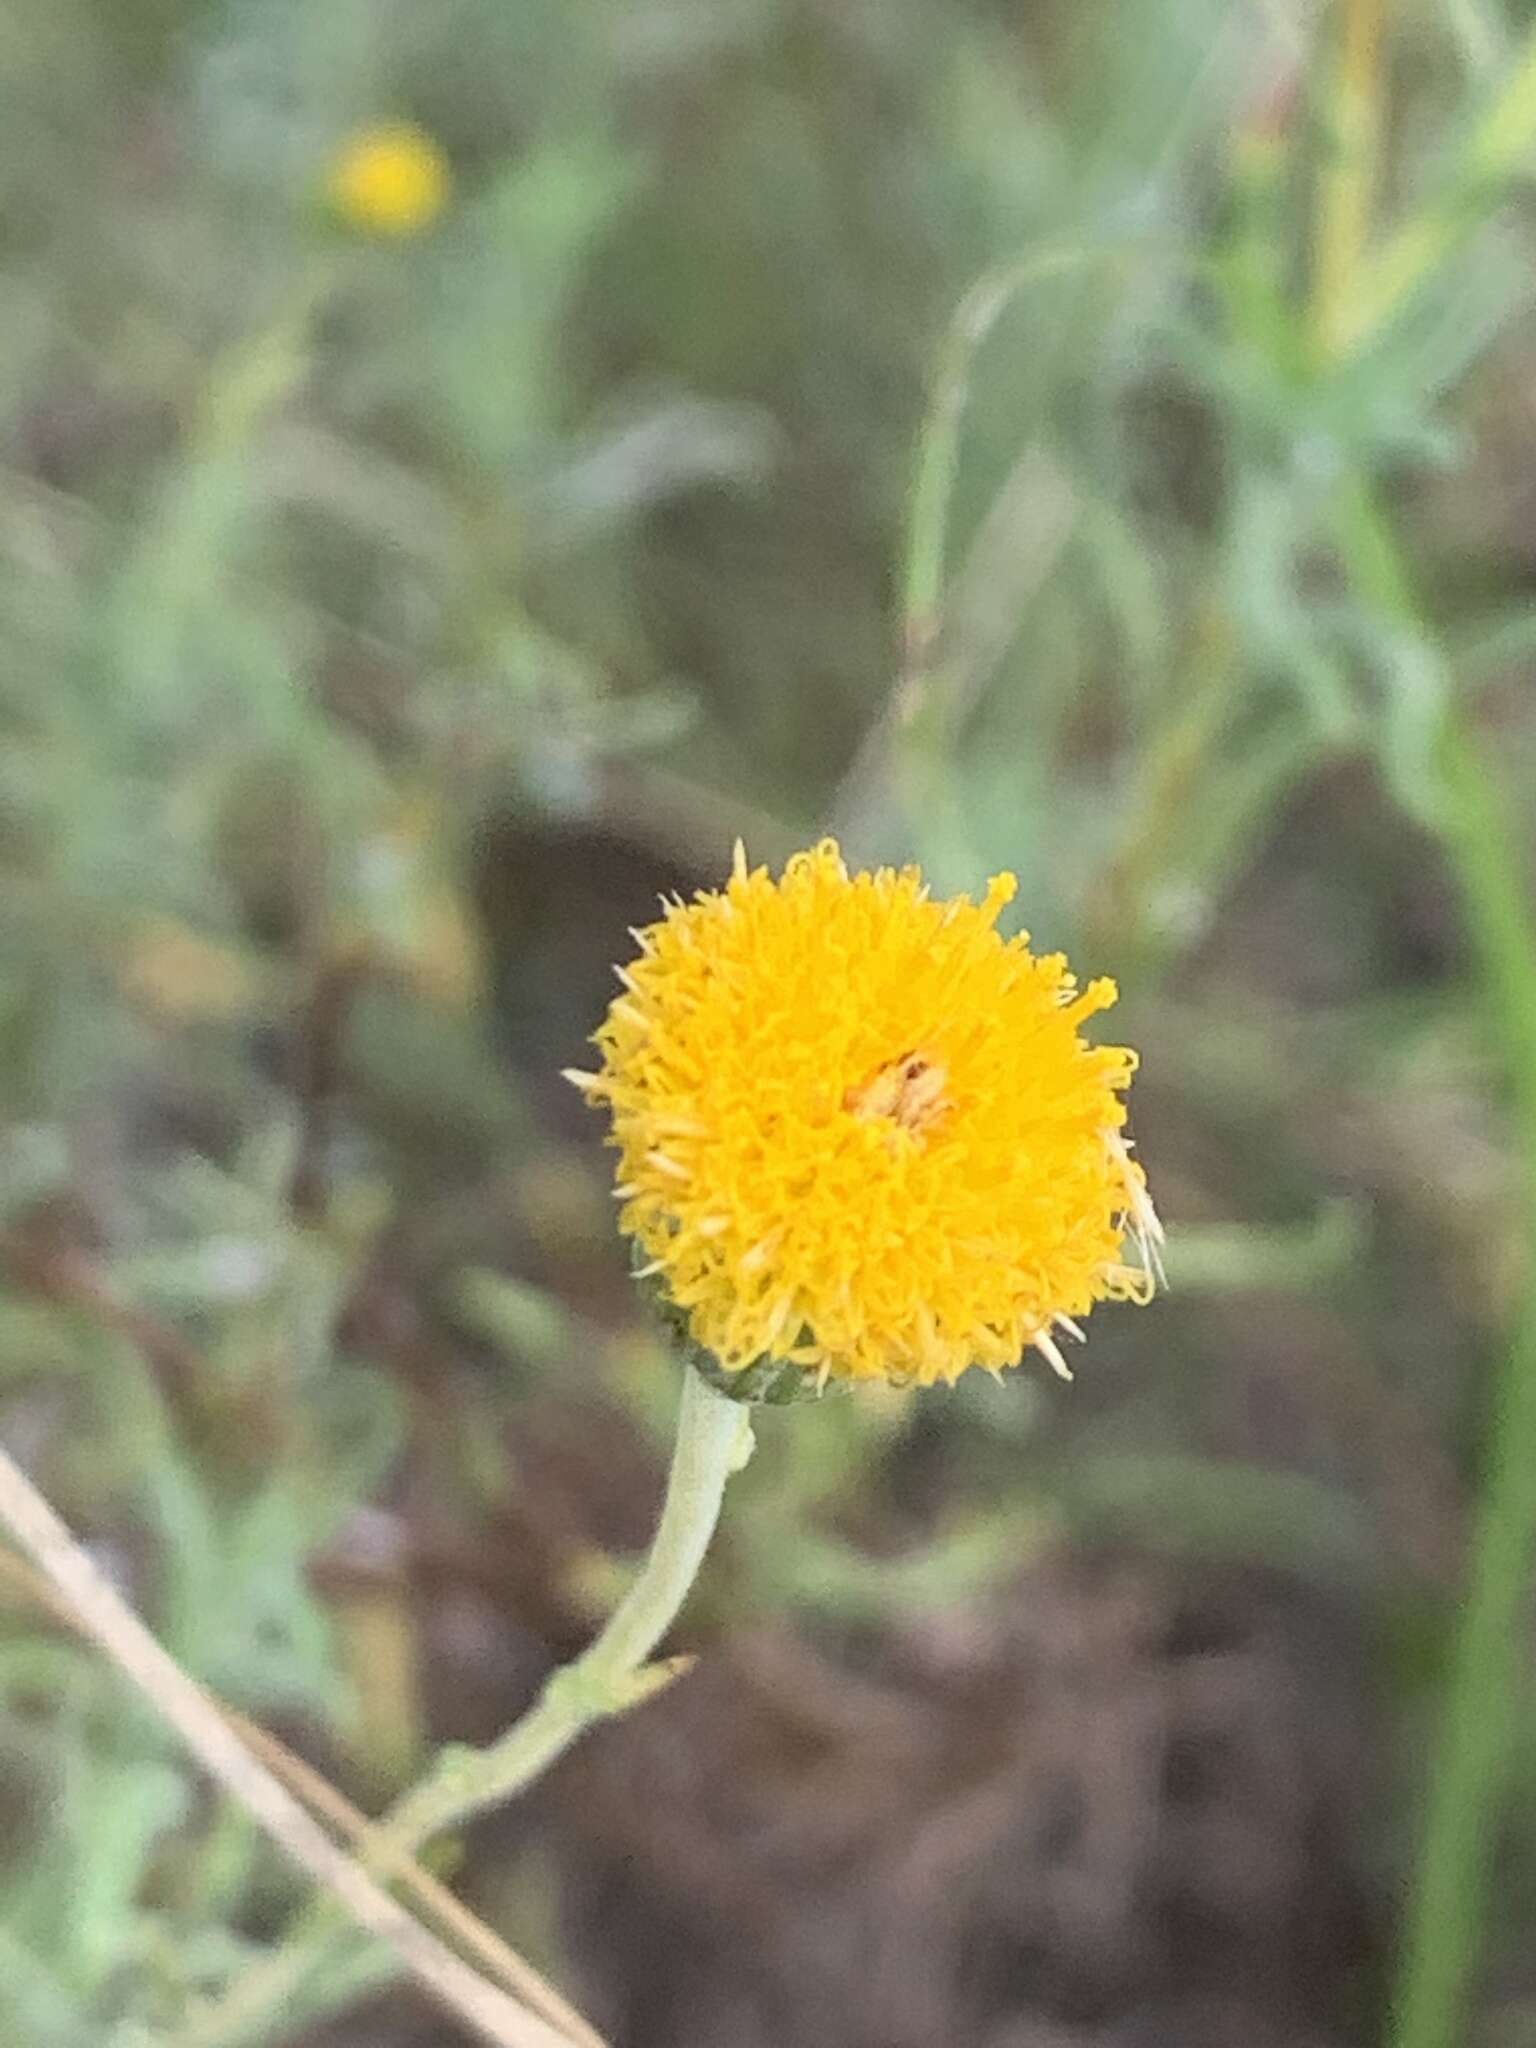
(714, 1439)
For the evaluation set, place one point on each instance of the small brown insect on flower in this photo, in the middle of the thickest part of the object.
(909, 1090)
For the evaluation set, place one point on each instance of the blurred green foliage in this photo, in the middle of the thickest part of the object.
(340, 577)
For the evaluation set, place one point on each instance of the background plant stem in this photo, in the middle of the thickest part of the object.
(1351, 297)
(1448, 1903)
(1495, 149)
(1348, 177)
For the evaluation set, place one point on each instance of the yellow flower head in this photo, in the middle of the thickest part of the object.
(861, 1133)
(390, 180)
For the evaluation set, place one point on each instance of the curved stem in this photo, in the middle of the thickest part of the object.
(714, 1439)
(936, 463)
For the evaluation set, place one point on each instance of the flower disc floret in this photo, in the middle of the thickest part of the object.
(861, 1132)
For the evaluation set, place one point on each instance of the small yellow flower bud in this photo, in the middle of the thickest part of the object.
(389, 180)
